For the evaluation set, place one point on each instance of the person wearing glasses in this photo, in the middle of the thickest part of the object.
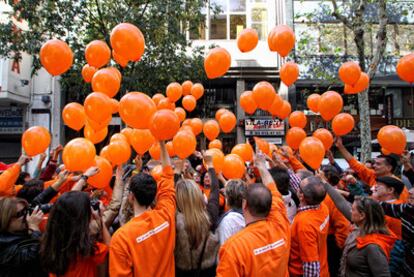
(368, 246)
(19, 238)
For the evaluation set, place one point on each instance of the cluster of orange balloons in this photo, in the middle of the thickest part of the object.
(281, 39)
(355, 80)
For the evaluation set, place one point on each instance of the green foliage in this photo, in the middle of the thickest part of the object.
(163, 23)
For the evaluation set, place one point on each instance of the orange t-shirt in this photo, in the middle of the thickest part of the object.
(145, 245)
(339, 226)
(309, 234)
(394, 224)
(368, 176)
(86, 267)
(260, 249)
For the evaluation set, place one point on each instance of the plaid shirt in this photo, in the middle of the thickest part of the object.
(294, 180)
(310, 269)
(308, 207)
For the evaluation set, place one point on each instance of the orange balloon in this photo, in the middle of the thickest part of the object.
(141, 140)
(215, 144)
(197, 126)
(119, 136)
(119, 59)
(211, 129)
(385, 152)
(276, 106)
(97, 106)
(187, 122)
(157, 98)
(392, 138)
(174, 91)
(104, 176)
(128, 133)
(155, 151)
(73, 115)
(220, 112)
(35, 140)
(405, 68)
(247, 102)
(349, 73)
(170, 149)
(217, 62)
(361, 85)
(247, 40)
(164, 124)
(281, 39)
(197, 91)
(244, 150)
(187, 85)
(180, 112)
(189, 103)
(313, 102)
(78, 154)
(330, 104)
(128, 41)
(264, 94)
(218, 159)
(262, 144)
(156, 172)
(104, 153)
(289, 73)
(119, 152)
(95, 136)
(294, 137)
(56, 56)
(166, 104)
(342, 124)
(97, 53)
(297, 119)
(114, 106)
(88, 72)
(227, 122)
(116, 72)
(233, 167)
(106, 81)
(285, 110)
(325, 137)
(97, 126)
(136, 109)
(184, 144)
(312, 152)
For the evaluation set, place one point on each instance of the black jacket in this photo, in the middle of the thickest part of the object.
(19, 255)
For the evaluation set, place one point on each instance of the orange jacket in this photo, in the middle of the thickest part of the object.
(260, 249)
(8, 179)
(309, 235)
(145, 245)
(385, 242)
(368, 176)
(338, 224)
(87, 266)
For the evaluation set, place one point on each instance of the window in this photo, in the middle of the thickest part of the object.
(259, 17)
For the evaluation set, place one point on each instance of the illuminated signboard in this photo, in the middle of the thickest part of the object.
(264, 127)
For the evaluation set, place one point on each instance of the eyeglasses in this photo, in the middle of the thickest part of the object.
(22, 212)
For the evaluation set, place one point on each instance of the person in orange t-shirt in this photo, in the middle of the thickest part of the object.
(308, 254)
(262, 247)
(383, 166)
(68, 249)
(145, 245)
(9, 177)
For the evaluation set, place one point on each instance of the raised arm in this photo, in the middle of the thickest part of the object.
(38, 168)
(9, 177)
(213, 206)
(47, 195)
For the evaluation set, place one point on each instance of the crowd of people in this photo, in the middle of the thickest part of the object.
(281, 219)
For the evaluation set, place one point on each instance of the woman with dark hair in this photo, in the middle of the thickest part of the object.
(368, 246)
(68, 248)
(19, 239)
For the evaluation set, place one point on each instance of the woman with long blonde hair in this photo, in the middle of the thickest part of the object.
(197, 243)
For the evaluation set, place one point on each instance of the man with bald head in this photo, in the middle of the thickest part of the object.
(308, 254)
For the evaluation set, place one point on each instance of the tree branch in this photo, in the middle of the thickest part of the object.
(381, 38)
(102, 23)
(339, 16)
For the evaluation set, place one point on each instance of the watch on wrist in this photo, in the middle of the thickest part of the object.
(84, 177)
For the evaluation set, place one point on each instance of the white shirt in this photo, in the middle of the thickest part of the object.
(232, 223)
(290, 205)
